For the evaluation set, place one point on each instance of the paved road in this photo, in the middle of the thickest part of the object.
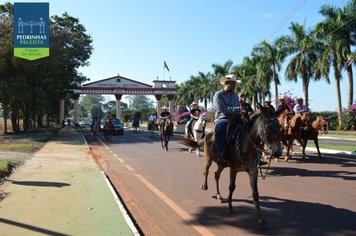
(161, 190)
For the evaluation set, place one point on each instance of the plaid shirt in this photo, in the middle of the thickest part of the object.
(225, 105)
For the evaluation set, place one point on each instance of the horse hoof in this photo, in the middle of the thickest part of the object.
(204, 187)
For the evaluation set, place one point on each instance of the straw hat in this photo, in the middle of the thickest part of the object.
(164, 108)
(281, 98)
(194, 103)
(228, 78)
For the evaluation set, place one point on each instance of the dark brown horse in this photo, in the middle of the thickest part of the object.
(311, 132)
(166, 131)
(242, 152)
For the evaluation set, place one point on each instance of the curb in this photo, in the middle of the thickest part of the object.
(330, 151)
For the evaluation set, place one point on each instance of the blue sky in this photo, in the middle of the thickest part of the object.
(133, 37)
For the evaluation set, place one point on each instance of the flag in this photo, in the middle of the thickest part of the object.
(165, 66)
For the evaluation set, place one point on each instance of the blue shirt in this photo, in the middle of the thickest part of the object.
(225, 105)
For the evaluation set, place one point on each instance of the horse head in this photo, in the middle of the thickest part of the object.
(321, 124)
(264, 126)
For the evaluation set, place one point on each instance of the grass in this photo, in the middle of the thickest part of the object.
(5, 168)
(334, 147)
(27, 147)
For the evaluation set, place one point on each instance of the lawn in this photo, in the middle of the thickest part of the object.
(334, 147)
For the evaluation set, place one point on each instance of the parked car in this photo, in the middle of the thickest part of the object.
(119, 126)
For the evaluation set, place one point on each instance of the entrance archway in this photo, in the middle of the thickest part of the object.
(119, 86)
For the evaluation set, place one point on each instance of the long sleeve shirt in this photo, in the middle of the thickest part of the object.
(225, 105)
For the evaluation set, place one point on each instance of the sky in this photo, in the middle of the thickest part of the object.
(132, 38)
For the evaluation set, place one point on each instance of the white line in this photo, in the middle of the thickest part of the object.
(184, 215)
(145, 138)
(129, 167)
(121, 207)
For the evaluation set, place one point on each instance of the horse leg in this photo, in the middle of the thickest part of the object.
(217, 177)
(304, 145)
(167, 140)
(232, 187)
(316, 142)
(162, 141)
(253, 174)
(208, 162)
(288, 146)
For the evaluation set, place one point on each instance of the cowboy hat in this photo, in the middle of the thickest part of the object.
(268, 100)
(228, 78)
(281, 98)
(298, 99)
(164, 108)
(194, 103)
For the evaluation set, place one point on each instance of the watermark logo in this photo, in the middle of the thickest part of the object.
(31, 30)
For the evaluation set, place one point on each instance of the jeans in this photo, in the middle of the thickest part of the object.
(220, 135)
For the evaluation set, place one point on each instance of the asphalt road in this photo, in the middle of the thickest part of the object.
(161, 190)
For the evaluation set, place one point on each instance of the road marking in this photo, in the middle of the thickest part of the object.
(145, 138)
(177, 209)
(121, 206)
(129, 167)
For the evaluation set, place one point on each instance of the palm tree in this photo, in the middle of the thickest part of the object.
(271, 57)
(206, 93)
(304, 50)
(337, 31)
(219, 71)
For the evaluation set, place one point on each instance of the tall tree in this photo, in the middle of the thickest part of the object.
(304, 50)
(336, 33)
(271, 57)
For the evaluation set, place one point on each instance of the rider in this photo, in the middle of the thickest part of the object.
(283, 107)
(269, 105)
(245, 107)
(299, 108)
(152, 119)
(165, 115)
(194, 116)
(226, 104)
(95, 121)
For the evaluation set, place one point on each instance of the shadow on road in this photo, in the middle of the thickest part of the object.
(283, 217)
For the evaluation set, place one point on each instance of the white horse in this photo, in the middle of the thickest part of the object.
(198, 128)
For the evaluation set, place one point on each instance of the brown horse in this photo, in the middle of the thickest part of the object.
(166, 131)
(290, 131)
(152, 127)
(311, 132)
(242, 152)
(109, 130)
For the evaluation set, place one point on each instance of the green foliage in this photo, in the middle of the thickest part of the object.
(126, 117)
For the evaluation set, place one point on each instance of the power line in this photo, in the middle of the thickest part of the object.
(286, 19)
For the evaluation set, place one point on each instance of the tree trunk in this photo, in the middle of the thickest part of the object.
(306, 92)
(338, 95)
(6, 114)
(350, 94)
(14, 116)
(275, 88)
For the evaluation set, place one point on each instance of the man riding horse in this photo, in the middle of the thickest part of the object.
(194, 116)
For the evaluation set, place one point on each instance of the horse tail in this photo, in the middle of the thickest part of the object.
(191, 143)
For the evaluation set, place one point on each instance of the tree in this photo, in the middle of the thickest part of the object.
(304, 51)
(271, 55)
(41, 83)
(338, 32)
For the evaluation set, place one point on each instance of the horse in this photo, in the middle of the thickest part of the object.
(242, 151)
(311, 132)
(165, 132)
(109, 130)
(152, 127)
(135, 125)
(198, 131)
(95, 128)
(290, 131)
